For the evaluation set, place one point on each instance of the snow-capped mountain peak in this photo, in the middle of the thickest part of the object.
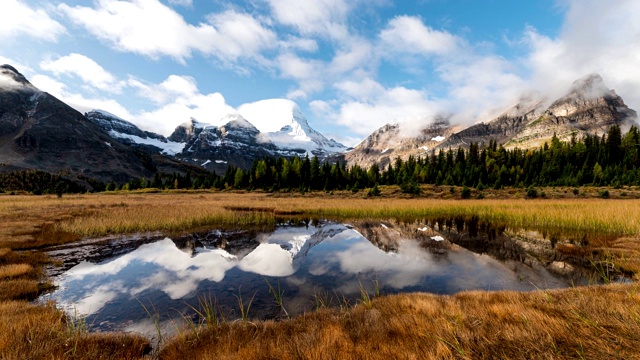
(282, 123)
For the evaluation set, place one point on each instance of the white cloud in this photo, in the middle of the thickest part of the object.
(596, 37)
(188, 3)
(313, 17)
(145, 27)
(480, 87)
(240, 35)
(409, 35)
(382, 106)
(309, 73)
(86, 69)
(76, 100)
(172, 87)
(363, 89)
(179, 99)
(17, 18)
(150, 28)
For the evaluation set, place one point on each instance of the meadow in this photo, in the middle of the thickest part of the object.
(583, 322)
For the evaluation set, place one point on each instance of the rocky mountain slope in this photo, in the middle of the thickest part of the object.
(388, 143)
(38, 131)
(589, 107)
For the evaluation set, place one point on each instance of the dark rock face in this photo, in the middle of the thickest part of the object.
(123, 131)
(38, 131)
(186, 131)
(235, 143)
(111, 123)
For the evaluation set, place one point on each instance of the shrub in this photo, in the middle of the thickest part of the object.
(374, 191)
(410, 187)
(466, 193)
(532, 193)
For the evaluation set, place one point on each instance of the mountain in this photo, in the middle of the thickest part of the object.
(38, 131)
(233, 140)
(589, 107)
(281, 122)
(129, 134)
(387, 143)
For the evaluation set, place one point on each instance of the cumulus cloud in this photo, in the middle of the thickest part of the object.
(596, 37)
(313, 17)
(178, 99)
(86, 69)
(150, 28)
(181, 2)
(409, 35)
(76, 100)
(373, 106)
(17, 18)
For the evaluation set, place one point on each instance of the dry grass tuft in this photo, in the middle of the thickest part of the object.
(19, 289)
(590, 322)
(42, 332)
(15, 270)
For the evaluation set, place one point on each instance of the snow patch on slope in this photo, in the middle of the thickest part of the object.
(168, 148)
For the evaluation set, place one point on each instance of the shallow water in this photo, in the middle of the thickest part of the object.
(326, 260)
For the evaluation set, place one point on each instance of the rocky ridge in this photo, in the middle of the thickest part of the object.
(589, 107)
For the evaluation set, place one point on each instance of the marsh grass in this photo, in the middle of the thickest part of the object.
(278, 295)
(154, 317)
(242, 307)
(597, 322)
(499, 325)
(42, 332)
(15, 271)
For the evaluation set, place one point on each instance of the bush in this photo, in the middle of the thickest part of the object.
(466, 193)
(374, 191)
(532, 193)
(604, 194)
(410, 187)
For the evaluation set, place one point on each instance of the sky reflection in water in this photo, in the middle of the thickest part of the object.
(330, 258)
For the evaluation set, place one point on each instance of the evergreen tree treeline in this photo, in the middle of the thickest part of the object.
(610, 160)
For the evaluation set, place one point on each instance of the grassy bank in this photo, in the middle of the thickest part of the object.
(584, 323)
(461, 326)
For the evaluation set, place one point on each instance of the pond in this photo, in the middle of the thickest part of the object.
(310, 263)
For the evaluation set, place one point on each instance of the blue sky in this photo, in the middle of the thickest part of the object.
(351, 66)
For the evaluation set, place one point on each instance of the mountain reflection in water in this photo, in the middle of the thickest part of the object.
(325, 258)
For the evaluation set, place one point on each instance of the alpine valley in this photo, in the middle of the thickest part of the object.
(40, 132)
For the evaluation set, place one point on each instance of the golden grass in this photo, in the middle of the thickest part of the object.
(97, 215)
(42, 332)
(15, 270)
(591, 323)
(19, 289)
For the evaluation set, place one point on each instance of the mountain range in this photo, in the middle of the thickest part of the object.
(589, 107)
(38, 131)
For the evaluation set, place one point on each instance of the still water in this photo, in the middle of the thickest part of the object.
(319, 260)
